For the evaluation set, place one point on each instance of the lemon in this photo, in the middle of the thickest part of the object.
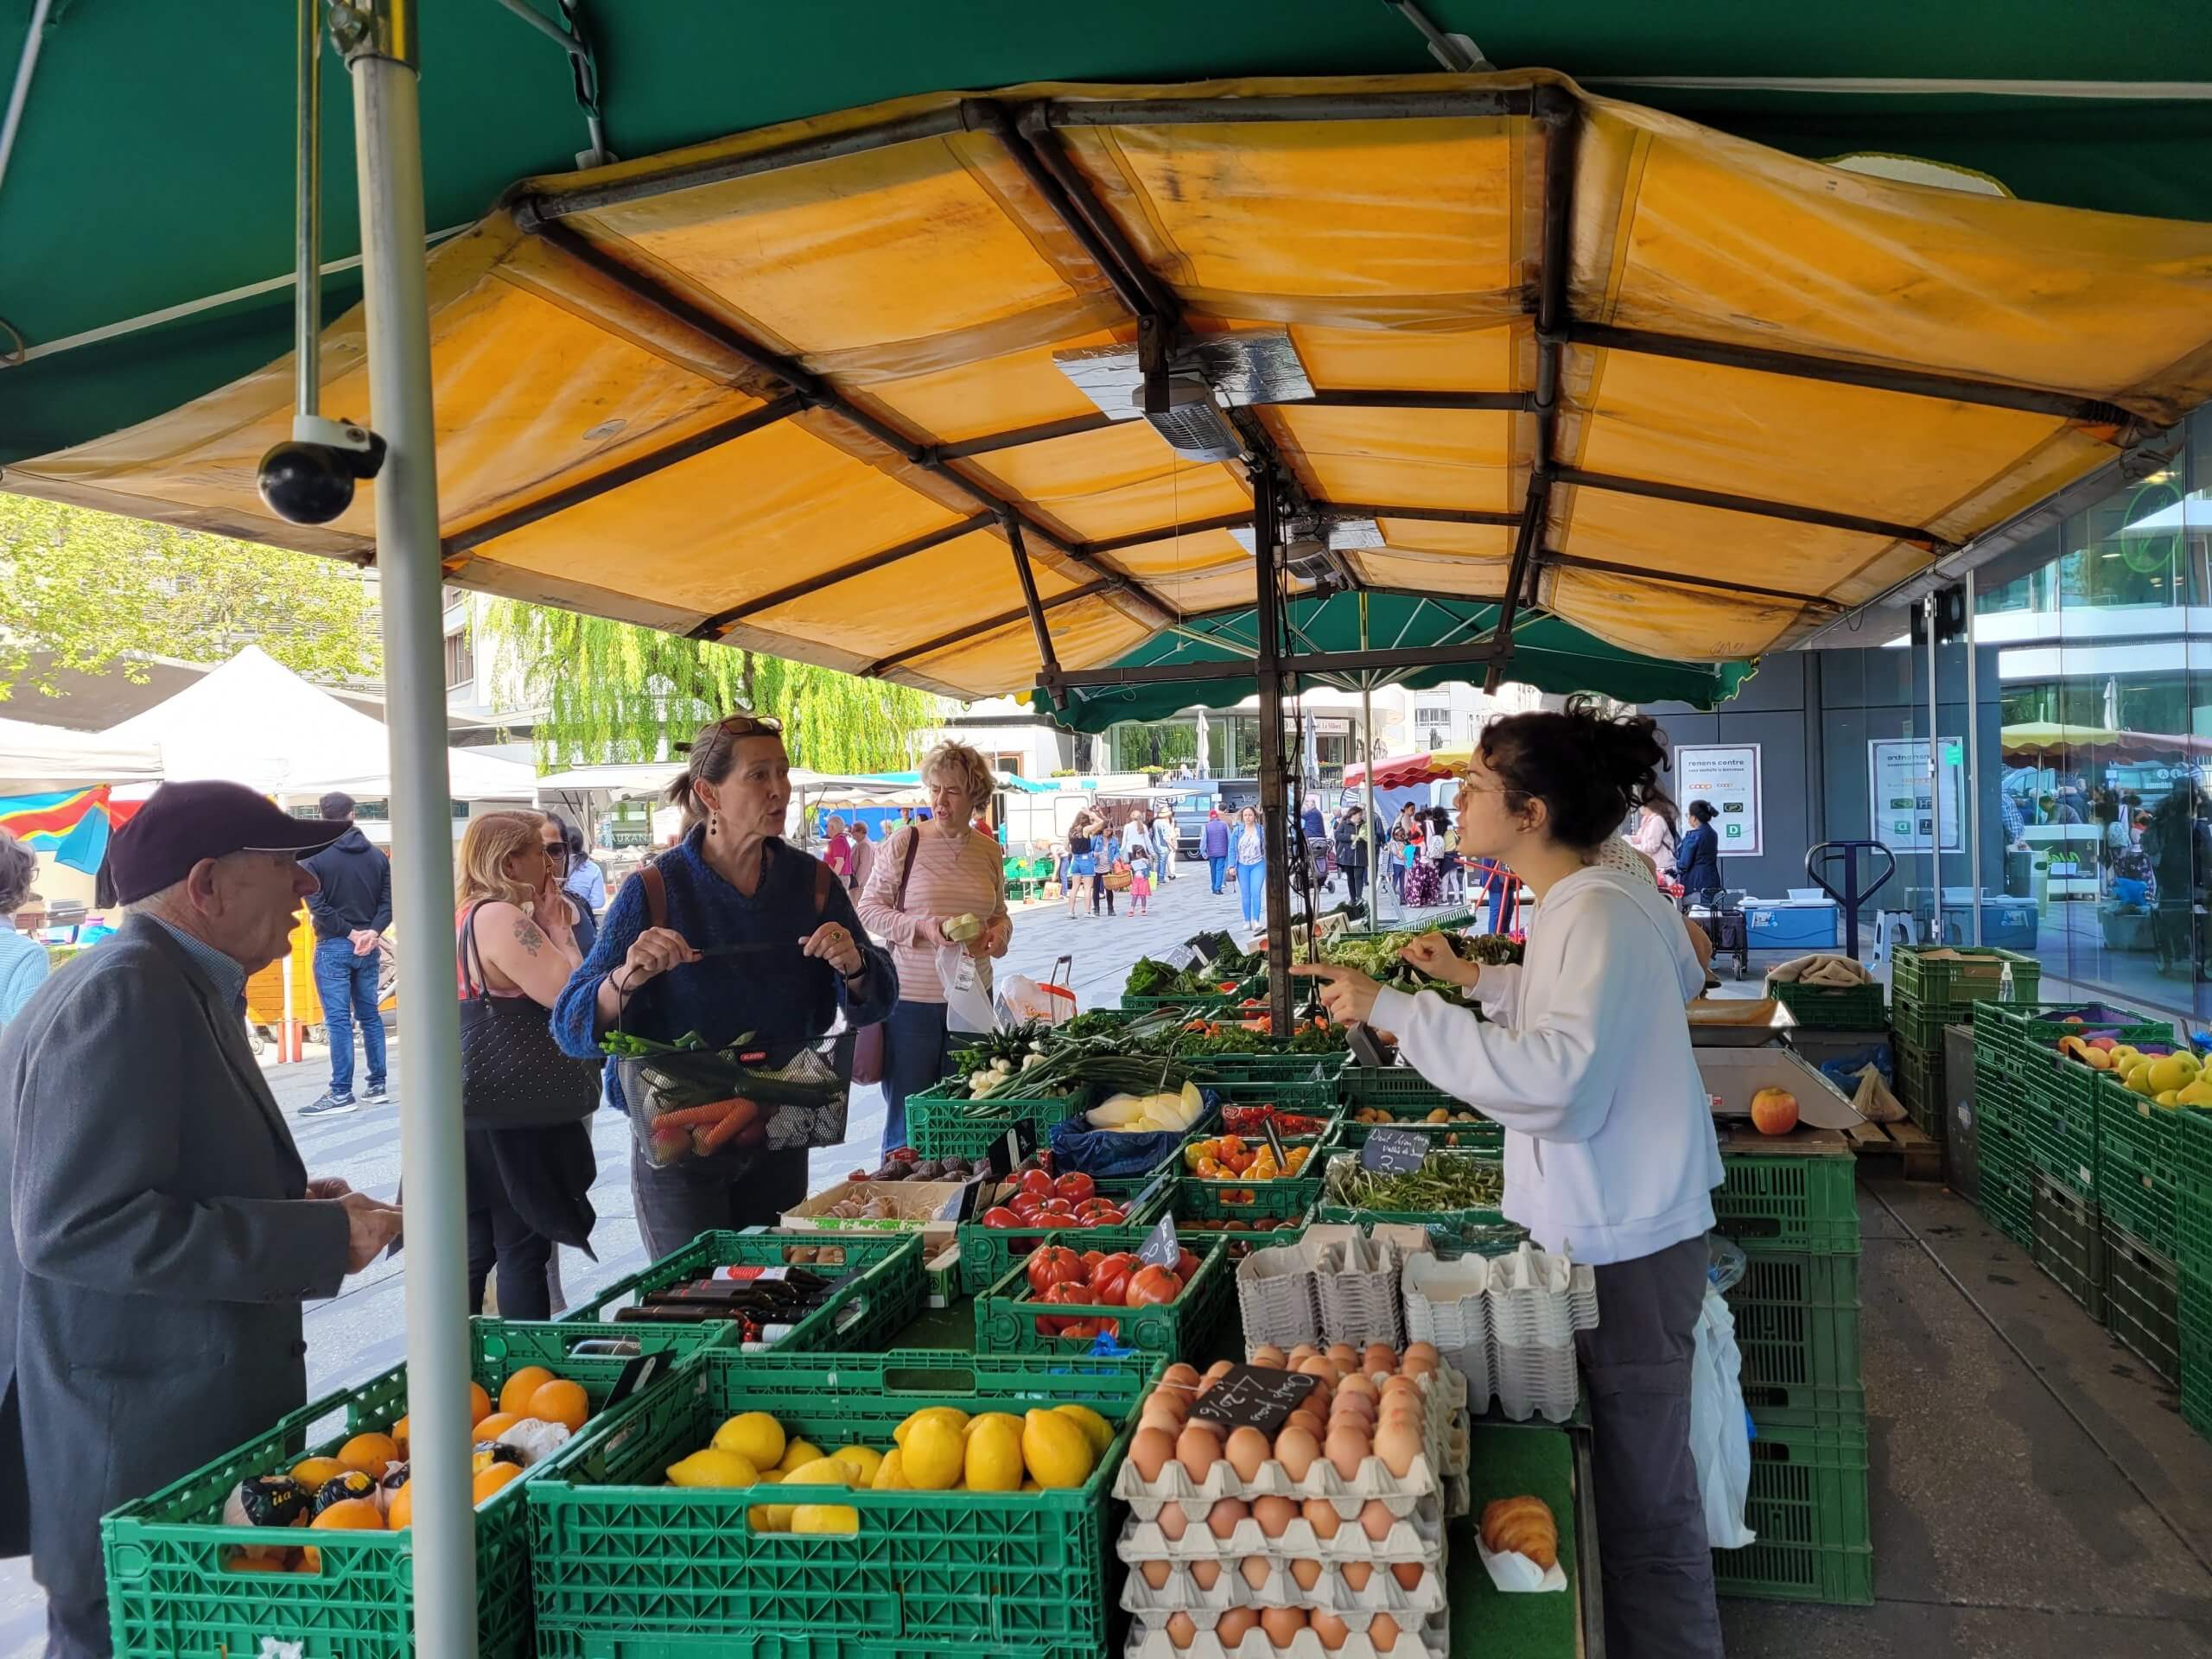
(2139, 1080)
(770, 1517)
(2167, 1097)
(1096, 1429)
(797, 1453)
(822, 1472)
(952, 1414)
(993, 1456)
(891, 1474)
(862, 1460)
(933, 1455)
(714, 1467)
(826, 1517)
(977, 1422)
(1056, 1449)
(754, 1435)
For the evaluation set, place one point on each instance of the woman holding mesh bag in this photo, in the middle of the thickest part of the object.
(737, 951)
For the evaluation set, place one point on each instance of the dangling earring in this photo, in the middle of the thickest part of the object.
(714, 823)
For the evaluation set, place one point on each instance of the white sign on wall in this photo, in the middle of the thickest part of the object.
(1727, 776)
(1903, 798)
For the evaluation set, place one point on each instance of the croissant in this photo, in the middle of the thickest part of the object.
(1520, 1526)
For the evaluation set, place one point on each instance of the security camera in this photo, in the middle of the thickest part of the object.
(309, 478)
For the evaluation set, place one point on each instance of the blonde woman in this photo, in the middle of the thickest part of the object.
(528, 1181)
(925, 879)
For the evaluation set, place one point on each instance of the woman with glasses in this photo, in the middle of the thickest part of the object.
(751, 935)
(563, 846)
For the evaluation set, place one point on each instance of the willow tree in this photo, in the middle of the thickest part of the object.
(613, 691)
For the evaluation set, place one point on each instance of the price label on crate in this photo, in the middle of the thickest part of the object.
(638, 1372)
(1211, 947)
(1255, 1397)
(1276, 1145)
(1182, 957)
(1161, 1248)
(1012, 1149)
(1393, 1150)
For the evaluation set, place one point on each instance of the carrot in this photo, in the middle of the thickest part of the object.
(742, 1113)
(687, 1117)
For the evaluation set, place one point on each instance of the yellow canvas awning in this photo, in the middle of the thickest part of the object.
(791, 390)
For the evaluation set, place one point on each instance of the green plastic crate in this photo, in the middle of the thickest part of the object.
(2135, 1197)
(2026, 1024)
(1788, 1202)
(1316, 1096)
(1394, 1086)
(2192, 1229)
(1832, 1007)
(1921, 1029)
(941, 1125)
(2138, 1126)
(2069, 1242)
(986, 1252)
(1201, 1202)
(1479, 1226)
(1920, 1088)
(1807, 1503)
(171, 1596)
(884, 1289)
(2193, 1301)
(1267, 1066)
(625, 1564)
(1972, 973)
(1200, 1217)
(1007, 1314)
(2142, 1299)
(1412, 1114)
(2192, 1155)
(1796, 1318)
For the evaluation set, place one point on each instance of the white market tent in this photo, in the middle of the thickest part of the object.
(36, 758)
(256, 722)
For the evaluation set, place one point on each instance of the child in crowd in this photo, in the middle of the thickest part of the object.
(1140, 881)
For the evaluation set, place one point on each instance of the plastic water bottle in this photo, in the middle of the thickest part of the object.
(2005, 984)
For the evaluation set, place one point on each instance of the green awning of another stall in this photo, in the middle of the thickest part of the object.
(1548, 654)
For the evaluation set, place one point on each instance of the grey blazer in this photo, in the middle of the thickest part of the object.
(156, 1246)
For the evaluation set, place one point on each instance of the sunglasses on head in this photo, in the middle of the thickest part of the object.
(742, 726)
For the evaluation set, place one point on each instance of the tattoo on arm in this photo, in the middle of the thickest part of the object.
(527, 936)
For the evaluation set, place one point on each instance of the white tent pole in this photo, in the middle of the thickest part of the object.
(378, 41)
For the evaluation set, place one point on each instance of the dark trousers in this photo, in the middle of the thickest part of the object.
(500, 1240)
(1098, 890)
(1356, 876)
(1651, 1545)
(347, 985)
(677, 1203)
(914, 1048)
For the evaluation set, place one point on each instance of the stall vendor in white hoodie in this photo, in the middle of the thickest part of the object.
(1610, 1150)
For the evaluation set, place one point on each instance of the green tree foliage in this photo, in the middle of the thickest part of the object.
(85, 591)
(616, 692)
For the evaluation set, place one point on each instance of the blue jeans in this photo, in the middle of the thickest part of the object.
(348, 986)
(1252, 892)
(1219, 865)
(914, 1045)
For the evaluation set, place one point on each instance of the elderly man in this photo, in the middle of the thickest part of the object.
(161, 1230)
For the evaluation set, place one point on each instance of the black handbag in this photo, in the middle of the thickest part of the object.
(513, 1075)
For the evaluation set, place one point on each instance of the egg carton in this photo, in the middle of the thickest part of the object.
(1535, 1382)
(1432, 1640)
(1528, 1296)
(1359, 1282)
(1373, 1479)
(1415, 1537)
(1278, 1294)
(1459, 1497)
(1331, 1593)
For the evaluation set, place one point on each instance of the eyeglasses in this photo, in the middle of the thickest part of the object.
(750, 725)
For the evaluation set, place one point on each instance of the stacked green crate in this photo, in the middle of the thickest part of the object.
(2002, 1170)
(1796, 1215)
(1937, 986)
(2192, 1166)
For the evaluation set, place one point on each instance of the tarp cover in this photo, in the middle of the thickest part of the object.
(594, 351)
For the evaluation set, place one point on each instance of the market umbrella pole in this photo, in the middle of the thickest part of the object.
(1274, 815)
(378, 39)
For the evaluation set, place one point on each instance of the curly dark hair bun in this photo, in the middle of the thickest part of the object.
(1588, 768)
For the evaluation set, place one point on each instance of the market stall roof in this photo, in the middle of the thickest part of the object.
(34, 758)
(2035, 742)
(800, 389)
(1398, 771)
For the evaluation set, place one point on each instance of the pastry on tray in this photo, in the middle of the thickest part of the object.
(1520, 1526)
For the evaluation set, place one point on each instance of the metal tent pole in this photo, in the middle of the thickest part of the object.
(1367, 739)
(378, 39)
(1935, 774)
(1973, 773)
(1273, 818)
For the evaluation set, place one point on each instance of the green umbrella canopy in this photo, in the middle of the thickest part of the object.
(154, 166)
(1547, 653)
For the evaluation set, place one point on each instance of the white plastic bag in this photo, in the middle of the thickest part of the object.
(967, 991)
(1719, 1432)
(1022, 1000)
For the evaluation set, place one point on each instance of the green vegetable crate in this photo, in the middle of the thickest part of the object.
(943, 1124)
(1480, 1136)
(1481, 1227)
(1797, 1319)
(1807, 1505)
(986, 1252)
(2039, 1026)
(1944, 978)
(2142, 1298)
(1007, 1313)
(1394, 1086)
(1274, 1217)
(885, 1288)
(1280, 1065)
(1794, 1202)
(625, 1565)
(2069, 1241)
(1832, 1007)
(171, 1596)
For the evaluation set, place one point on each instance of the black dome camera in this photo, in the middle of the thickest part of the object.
(309, 478)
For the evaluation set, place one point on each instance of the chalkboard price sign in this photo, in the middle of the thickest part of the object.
(1393, 1150)
(1254, 1396)
(1161, 1248)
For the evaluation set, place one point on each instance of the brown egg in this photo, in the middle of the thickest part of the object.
(1382, 1632)
(1234, 1626)
(1311, 1422)
(1375, 1519)
(1304, 1351)
(1342, 1353)
(1248, 1453)
(1257, 1570)
(1359, 1386)
(1314, 1365)
(1173, 1523)
(1408, 1573)
(1353, 1409)
(1401, 1385)
(1282, 1625)
(1397, 1445)
(1422, 1350)
(1181, 1631)
(1150, 1448)
(1218, 1369)
(1226, 1515)
(1197, 1450)
(1416, 1366)
(1330, 1628)
(1269, 1355)
(1274, 1514)
(1206, 1574)
(1296, 1447)
(1180, 1375)
(1348, 1447)
(1306, 1573)
(1357, 1574)
(1159, 1416)
(1321, 1516)
(1378, 1357)
(1155, 1573)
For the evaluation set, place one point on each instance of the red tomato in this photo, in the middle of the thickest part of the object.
(1186, 1267)
(1083, 1330)
(1036, 1181)
(999, 1215)
(1026, 1206)
(1055, 1212)
(1110, 1280)
(1149, 1287)
(1074, 1186)
(1111, 1215)
(1090, 1261)
(1055, 1265)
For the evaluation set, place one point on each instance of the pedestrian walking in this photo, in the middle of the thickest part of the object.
(1163, 843)
(863, 856)
(1252, 868)
(1215, 843)
(1140, 881)
(351, 908)
(1352, 851)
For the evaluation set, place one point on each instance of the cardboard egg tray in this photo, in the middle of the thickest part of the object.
(1432, 1640)
(1414, 1536)
(1331, 1592)
(1444, 1392)
(1174, 1485)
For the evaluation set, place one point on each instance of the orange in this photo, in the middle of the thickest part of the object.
(257, 1560)
(561, 1402)
(400, 1512)
(492, 1426)
(400, 1436)
(311, 1472)
(369, 1453)
(488, 1480)
(479, 1403)
(349, 1515)
(515, 1396)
